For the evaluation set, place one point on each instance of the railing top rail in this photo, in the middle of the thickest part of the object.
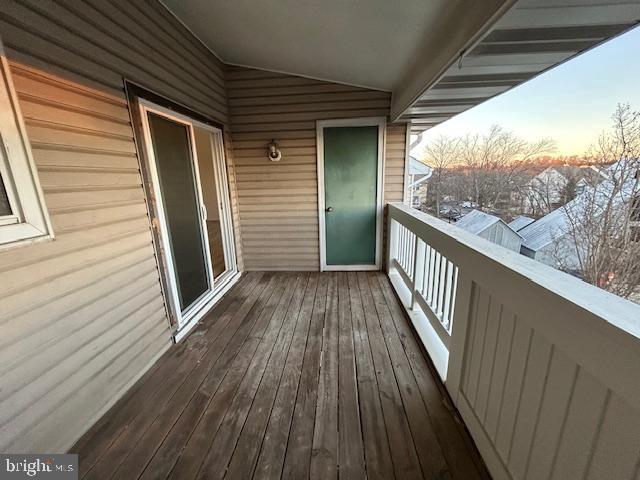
(515, 271)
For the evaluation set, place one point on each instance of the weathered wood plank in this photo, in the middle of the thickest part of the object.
(245, 456)
(223, 445)
(300, 376)
(324, 453)
(350, 444)
(457, 447)
(426, 443)
(376, 443)
(130, 439)
(298, 456)
(274, 445)
(403, 452)
(167, 370)
(222, 383)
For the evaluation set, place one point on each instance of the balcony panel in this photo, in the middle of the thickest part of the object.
(541, 366)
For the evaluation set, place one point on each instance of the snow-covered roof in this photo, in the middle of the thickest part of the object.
(476, 221)
(520, 222)
(416, 167)
(554, 225)
(544, 231)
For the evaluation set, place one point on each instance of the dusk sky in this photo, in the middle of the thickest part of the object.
(572, 103)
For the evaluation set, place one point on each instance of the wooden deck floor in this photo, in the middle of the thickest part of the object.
(294, 376)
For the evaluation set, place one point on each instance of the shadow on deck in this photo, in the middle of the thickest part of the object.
(292, 375)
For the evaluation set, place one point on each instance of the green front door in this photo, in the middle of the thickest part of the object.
(350, 189)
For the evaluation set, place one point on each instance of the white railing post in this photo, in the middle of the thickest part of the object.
(461, 308)
(419, 249)
(392, 240)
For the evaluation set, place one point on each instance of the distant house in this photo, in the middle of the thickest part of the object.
(544, 192)
(547, 239)
(418, 175)
(520, 222)
(549, 189)
(581, 186)
(490, 228)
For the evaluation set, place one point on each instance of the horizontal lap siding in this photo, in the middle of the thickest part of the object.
(83, 316)
(278, 202)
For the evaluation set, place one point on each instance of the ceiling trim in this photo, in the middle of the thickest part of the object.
(425, 74)
(310, 77)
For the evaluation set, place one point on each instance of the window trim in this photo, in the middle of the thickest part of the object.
(29, 220)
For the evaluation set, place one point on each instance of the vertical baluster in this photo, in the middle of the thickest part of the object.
(447, 295)
(414, 245)
(405, 257)
(417, 267)
(454, 291)
(436, 282)
(401, 253)
(432, 269)
(398, 248)
(392, 252)
(410, 253)
(443, 272)
(425, 272)
(403, 261)
(404, 252)
(407, 250)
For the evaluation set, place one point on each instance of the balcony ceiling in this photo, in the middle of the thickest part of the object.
(410, 47)
(533, 36)
(368, 43)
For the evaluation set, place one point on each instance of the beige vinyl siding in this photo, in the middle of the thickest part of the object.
(233, 193)
(82, 316)
(99, 42)
(278, 202)
(394, 163)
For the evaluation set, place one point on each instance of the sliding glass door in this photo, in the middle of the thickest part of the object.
(190, 192)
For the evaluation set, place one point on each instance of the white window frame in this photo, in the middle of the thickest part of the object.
(29, 220)
(219, 285)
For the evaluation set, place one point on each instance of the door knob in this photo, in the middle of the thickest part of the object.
(328, 209)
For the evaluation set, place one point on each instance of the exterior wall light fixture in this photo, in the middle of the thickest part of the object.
(274, 154)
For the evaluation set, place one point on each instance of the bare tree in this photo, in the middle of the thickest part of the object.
(601, 244)
(440, 154)
(496, 163)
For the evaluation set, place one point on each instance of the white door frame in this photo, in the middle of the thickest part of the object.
(217, 286)
(381, 123)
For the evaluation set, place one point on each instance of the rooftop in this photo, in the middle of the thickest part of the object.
(416, 167)
(477, 221)
(520, 222)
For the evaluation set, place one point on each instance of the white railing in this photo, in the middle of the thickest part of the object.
(544, 368)
(430, 277)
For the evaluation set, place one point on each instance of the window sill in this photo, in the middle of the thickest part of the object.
(26, 242)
